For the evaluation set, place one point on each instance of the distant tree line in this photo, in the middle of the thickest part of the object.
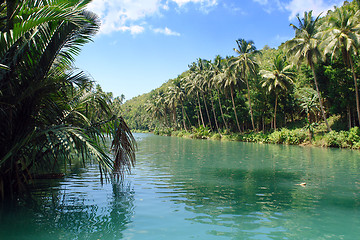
(305, 81)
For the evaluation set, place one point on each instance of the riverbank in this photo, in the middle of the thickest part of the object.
(300, 136)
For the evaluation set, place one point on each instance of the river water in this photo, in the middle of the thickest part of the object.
(195, 189)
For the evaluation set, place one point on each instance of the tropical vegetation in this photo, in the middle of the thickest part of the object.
(306, 89)
(51, 114)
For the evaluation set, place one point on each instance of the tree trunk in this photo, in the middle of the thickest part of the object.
(320, 99)
(182, 107)
(207, 111)
(213, 110)
(222, 114)
(251, 111)
(356, 89)
(175, 117)
(233, 102)
(276, 101)
(200, 113)
(309, 122)
(187, 117)
(349, 116)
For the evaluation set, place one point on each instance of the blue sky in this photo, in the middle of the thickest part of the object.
(144, 43)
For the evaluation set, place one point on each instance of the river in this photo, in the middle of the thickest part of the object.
(200, 189)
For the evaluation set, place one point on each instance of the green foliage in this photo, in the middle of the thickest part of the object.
(216, 136)
(163, 131)
(263, 92)
(50, 114)
(342, 139)
(200, 132)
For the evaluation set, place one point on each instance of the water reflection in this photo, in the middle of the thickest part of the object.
(186, 189)
(251, 191)
(74, 209)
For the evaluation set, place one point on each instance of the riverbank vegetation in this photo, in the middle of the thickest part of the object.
(51, 115)
(305, 91)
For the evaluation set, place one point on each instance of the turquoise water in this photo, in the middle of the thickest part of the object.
(193, 189)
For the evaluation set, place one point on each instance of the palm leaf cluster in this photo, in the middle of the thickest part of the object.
(50, 115)
(249, 91)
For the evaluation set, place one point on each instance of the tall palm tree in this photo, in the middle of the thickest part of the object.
(43, 119)
(202, 75)
(228, 80)
(193, 85)
(177, 95)
(279, 78)
(209, 85)
(309, 104)
(218, 69)
(154, 109)
(172, 102)
(305, 47)
(246, 66)
(343, 38)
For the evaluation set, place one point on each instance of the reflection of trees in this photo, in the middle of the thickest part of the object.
(250, 188)
(69, 214)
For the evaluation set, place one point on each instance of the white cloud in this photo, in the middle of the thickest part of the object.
(262, 2)
(233, 9)
(126, 15)
(117, 15)
(270, 5)
(208, 3)
(299, 6)
(134, 29)
(166, 31)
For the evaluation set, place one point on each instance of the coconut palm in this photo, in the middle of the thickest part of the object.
(246, 66)
(154, 108)
(172, 102)
(343, 38)
(305, 47)
(279, 78)
(209, 85)
(218, 68)
(309, 103)
(193, 85)
(176, 95)
(202, 75)
(44, 115)
(228, 80)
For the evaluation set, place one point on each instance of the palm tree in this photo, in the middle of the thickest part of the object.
(228, 79)
(246, 66)
(343, 38)
(154, 109)
(202, 75)
(43, 108)
(310, 104)
(305, 47)
(280, 77)
(177, 96)
(171, 101)
(209, 84)
(218, 69)
(192, 85)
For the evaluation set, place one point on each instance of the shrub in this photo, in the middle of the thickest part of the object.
(354, 135)
(200, 132)
(216, 136)
(278, 136)
(286, 136)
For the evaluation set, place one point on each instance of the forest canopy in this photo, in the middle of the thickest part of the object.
(308, 82)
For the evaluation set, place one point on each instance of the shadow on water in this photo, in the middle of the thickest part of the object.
(73, 208)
